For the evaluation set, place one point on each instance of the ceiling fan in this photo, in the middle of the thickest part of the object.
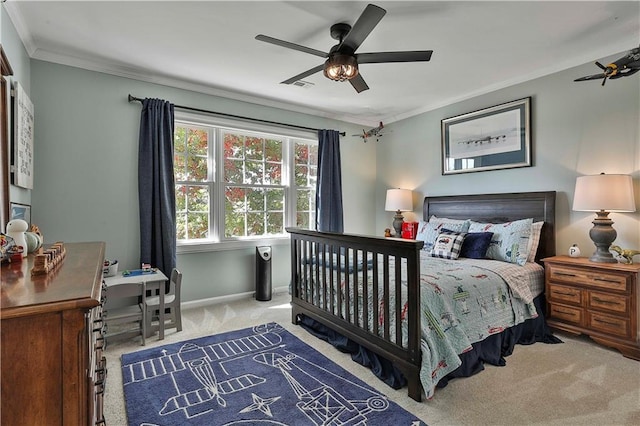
(342, 61)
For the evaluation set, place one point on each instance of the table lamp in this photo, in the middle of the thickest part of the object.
(398, 200)
(603, 194)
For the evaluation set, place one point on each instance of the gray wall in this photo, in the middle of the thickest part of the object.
(578, 129)
(86, 138)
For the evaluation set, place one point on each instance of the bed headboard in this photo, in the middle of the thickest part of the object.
(496, 208)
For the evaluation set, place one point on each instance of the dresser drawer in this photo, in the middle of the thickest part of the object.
(565, 294)
(614, 303)
(594, 278)
(609, 324)
(566, 314)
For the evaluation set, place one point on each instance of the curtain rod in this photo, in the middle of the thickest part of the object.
(136, 99)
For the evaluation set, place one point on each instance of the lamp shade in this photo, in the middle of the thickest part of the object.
(612, 193)
(399, 199)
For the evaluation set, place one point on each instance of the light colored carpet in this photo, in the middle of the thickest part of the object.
(578, 382)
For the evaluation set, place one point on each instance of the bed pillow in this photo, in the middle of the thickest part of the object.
(435, 219)
(428, 231)
(534, 240)
(448, 244)
(476, 244)
(510, 240)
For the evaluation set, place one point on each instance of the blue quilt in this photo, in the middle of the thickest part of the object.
(461, 303)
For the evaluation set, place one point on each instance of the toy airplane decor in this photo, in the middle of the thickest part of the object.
(376, 132)
(625, 66)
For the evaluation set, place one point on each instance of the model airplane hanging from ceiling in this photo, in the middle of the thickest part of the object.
(623, 67)
(376, 132)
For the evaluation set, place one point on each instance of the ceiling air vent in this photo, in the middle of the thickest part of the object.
(302, 83)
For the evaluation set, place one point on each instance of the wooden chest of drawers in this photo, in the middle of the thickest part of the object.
(600, 300)
(53, 369)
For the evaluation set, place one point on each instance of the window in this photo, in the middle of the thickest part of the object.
(235, 184)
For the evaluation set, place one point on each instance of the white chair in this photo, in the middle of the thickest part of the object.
(119, 320)
(171, 308)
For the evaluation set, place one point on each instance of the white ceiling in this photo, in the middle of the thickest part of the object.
(209, 46)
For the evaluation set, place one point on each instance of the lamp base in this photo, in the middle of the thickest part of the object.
(602, 234)
(398, 219)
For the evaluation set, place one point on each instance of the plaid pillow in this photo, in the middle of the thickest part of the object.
(448, 245)
(428, 231)
(534, 241)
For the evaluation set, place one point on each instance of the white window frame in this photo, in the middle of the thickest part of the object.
(216, 241)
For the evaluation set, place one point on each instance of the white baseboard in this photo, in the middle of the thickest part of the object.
(228, 298)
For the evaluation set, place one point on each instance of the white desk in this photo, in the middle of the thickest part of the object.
(153, 282)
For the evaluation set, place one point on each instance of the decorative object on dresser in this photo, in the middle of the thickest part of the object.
(603, 194)
(596, 299)
(53, 370)
(16, 229)
(409, 230)
(625, 255)
(574, 251)
(398, 200)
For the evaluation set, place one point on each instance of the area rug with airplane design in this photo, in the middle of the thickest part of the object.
(262, 375)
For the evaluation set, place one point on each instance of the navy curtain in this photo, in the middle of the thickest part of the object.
(329, 183)
(156, 189)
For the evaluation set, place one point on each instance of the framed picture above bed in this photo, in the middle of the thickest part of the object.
(489, 139)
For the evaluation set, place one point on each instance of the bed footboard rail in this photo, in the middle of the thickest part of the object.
(365, 288)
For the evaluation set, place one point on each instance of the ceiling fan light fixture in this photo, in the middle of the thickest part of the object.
(340, 67)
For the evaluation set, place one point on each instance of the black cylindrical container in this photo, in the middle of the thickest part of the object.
(263, 273)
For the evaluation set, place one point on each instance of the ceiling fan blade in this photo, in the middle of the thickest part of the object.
(367, 21)
(358, 83)
(289, 45)
(381, 57)
(590, 77)
(303, 75)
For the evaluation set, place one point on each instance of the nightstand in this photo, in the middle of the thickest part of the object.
(600, 300)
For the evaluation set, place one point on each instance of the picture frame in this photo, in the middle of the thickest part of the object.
(493, 138)
(20, 211)
(22, 138)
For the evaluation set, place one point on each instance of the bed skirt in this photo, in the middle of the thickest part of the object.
(492, 350)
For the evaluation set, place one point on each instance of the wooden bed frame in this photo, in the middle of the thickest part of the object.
(313, 296)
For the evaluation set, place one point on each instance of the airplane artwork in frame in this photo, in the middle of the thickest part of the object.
(489, 139)
(22, 166)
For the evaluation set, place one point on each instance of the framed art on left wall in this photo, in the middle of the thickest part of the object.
(22, 138)
(20, 211)
(493, 138)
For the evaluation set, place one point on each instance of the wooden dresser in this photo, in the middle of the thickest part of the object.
(601, 300)
(53, 370)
